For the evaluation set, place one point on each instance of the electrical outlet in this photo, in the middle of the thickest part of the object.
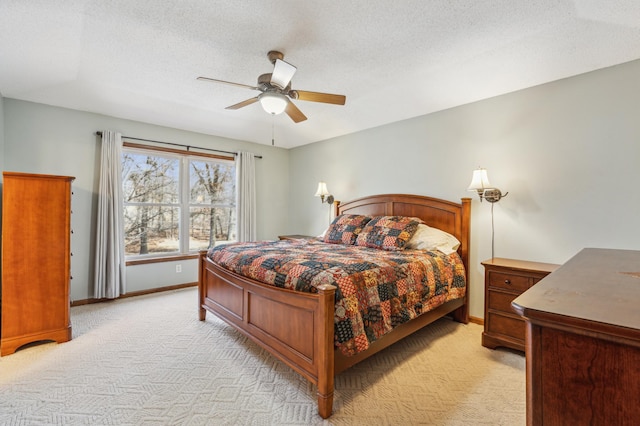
(178, 268)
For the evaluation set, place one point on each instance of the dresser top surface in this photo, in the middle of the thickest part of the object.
(523, 265)
(20, 175)
(598, 285)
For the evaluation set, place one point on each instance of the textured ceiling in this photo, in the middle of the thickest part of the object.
(393, 60)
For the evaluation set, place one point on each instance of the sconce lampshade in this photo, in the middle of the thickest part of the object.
(322, 190)
(479, 181)
(273, 103)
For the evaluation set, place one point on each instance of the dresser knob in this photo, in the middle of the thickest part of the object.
(507, 282)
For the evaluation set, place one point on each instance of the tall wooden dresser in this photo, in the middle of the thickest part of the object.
(36, 262)
(583, 341)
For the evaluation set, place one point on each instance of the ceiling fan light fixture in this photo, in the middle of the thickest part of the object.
(273, 103)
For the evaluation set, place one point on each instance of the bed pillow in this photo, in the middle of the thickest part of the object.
(388, 232)
(322, 234)
(428, 238)
(345, 229)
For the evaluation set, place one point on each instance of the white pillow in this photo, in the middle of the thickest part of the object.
(321, 236)
(428, 238)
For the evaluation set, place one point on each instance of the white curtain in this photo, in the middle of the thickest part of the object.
(109, 279)
(246, 189)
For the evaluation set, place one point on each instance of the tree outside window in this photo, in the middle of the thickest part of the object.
(169, 196)
(212, 200)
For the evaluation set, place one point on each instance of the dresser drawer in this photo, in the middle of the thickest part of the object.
(507, 326)
(499, 301)
(509, 281)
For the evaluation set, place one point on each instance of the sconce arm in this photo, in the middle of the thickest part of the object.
(493, 195)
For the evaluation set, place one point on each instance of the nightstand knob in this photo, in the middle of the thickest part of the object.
(507, 282)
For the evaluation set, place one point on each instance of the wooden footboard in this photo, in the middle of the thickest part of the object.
(295, 327)
(298, 328)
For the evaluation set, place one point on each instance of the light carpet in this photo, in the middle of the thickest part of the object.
(148, 360)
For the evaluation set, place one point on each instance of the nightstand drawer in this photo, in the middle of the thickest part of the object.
(509, 281)
(499, 301)
(507, 326)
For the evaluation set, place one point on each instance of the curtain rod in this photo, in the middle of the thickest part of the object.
(98, 133)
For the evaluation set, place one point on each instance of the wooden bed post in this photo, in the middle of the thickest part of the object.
(336, 207)
(202, 314)
(462, 313)
(325, 352)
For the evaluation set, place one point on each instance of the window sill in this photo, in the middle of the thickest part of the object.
(162, 259)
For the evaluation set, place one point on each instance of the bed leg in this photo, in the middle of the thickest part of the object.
(325, 405)
(462, 314)
(202, 273)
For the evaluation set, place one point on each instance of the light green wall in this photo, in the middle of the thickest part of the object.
(1, 135)
(50, 140)
(567, 152)
(1, 168)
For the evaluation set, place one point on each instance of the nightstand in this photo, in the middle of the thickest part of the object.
(504, 280)
(296, 237)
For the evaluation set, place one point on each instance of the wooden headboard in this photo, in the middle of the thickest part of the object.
(448, 216)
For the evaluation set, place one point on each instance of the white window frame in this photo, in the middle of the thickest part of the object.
(183, 204)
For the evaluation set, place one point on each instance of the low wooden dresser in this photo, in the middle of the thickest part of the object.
(583, 341)
(506, 279)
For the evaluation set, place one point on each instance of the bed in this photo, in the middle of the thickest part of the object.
(298, 327)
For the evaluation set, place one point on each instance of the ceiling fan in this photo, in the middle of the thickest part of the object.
(277, 93)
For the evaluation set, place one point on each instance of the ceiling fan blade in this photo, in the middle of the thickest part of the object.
(282, 73)
(293, 112)
(246, 86)
(326, 98)
(243, 103)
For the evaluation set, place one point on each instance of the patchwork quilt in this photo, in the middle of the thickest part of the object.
(376, 289)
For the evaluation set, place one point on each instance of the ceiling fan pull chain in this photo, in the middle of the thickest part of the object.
(273, 119)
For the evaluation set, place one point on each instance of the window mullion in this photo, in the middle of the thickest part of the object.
(184, 205)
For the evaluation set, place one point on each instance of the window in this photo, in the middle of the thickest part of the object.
(176, 203)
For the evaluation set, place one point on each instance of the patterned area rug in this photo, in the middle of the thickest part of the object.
(147, 360)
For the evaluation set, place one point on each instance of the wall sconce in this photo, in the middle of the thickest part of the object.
(480, 184)
(323, 192)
